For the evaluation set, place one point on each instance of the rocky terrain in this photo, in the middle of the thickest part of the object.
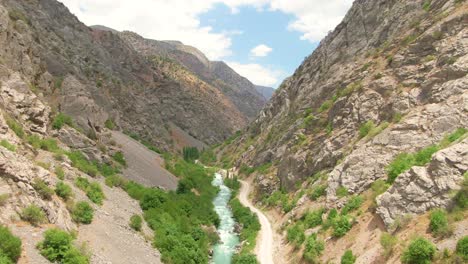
(387, 85)
(95, 75)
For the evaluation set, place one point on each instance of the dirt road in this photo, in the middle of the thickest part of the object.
(144, 166)
(264, 247)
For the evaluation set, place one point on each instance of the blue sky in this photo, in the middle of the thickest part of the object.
(263, 40)
(256, 27)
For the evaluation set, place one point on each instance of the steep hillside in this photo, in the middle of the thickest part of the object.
(94, 76)
(217, 74)
(267, 92)
(381, 102)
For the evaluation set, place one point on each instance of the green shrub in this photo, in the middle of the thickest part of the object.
(16, 15)
(80, 162)
(348, 257)
(388, 242)
(207, 157)
(313, 248)
(57, 247)
(325, 106)
(109, 124)
(354, 203)
(439, 223)
(296, 234)
(119, 157)
(427, 5)
(115, 181)
(4, 259)
(47, 144)
(462, 248)
(10, 246)
(461, 197)
(4, 143)
(33, 214)
(341, 225)
(15, 126)
(190, 153)
(63, 190)
(317, 192)
(419, 251)
(43, 189)
(400, 164)
(60, 173)
(264, 167)
(93, 190)
(244, 258)
(365, 128)
(341, 192)
(314, 218)
(452, 137)
(82, 213)
(60, 120)
(136, 222)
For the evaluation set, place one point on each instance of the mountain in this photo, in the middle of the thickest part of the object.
(379, 109)
(266, 92)
(218, 74)
(96, 75)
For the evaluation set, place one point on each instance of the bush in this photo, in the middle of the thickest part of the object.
(119, 157)
(82, 213)
(93, 190)
(245, 258)
(60, 173)
(388, 242)
(325, 106)
(419, 251)
(43, 189)
(4, 143)
(314, 218)
(33, 214)
(10, 246)
(80, 162)
(136, 222)
(341, 226)
(60, 120)
(63, 190)
(462, 248)
(317, 192)
(438, 222)
(296, 234)
(365, 128)
(15, 126)
(115, 181)
(109, 124)
(348, 257)
(57, 247)
(313, 248)
(354, 203)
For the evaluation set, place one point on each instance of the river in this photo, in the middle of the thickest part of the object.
(225, 249)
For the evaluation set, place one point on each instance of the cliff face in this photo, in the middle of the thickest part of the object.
(390, 79)
(94, 75)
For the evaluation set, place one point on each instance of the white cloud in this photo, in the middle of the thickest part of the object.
(258, 74)
(261, 50)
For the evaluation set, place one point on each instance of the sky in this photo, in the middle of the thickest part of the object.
(263, 40)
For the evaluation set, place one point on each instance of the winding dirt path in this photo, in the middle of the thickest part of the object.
(264, 247)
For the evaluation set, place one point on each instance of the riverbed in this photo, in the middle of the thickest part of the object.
(226, 247)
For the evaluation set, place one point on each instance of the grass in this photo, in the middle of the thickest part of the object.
(341, 192)
(43, 189)
(33, 214)
(15, 126)
(325, 106)
(353, 203)
(405, 161)
(60, 120)
(119, 157)
(109, 124)
(4, 198)
(10, 246)
(4, 143)
(47, 144)
(388, 243)
(365, 128)
(439, 224)
(136, 222)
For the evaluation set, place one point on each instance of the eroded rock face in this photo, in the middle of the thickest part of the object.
(19, 173)
(423, 188)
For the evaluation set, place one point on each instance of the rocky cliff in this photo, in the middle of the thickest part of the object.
(389, 82)
(96, 75)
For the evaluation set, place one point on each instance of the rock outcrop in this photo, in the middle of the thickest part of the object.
(423, 188)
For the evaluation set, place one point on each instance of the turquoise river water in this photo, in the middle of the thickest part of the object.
(225, 249)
